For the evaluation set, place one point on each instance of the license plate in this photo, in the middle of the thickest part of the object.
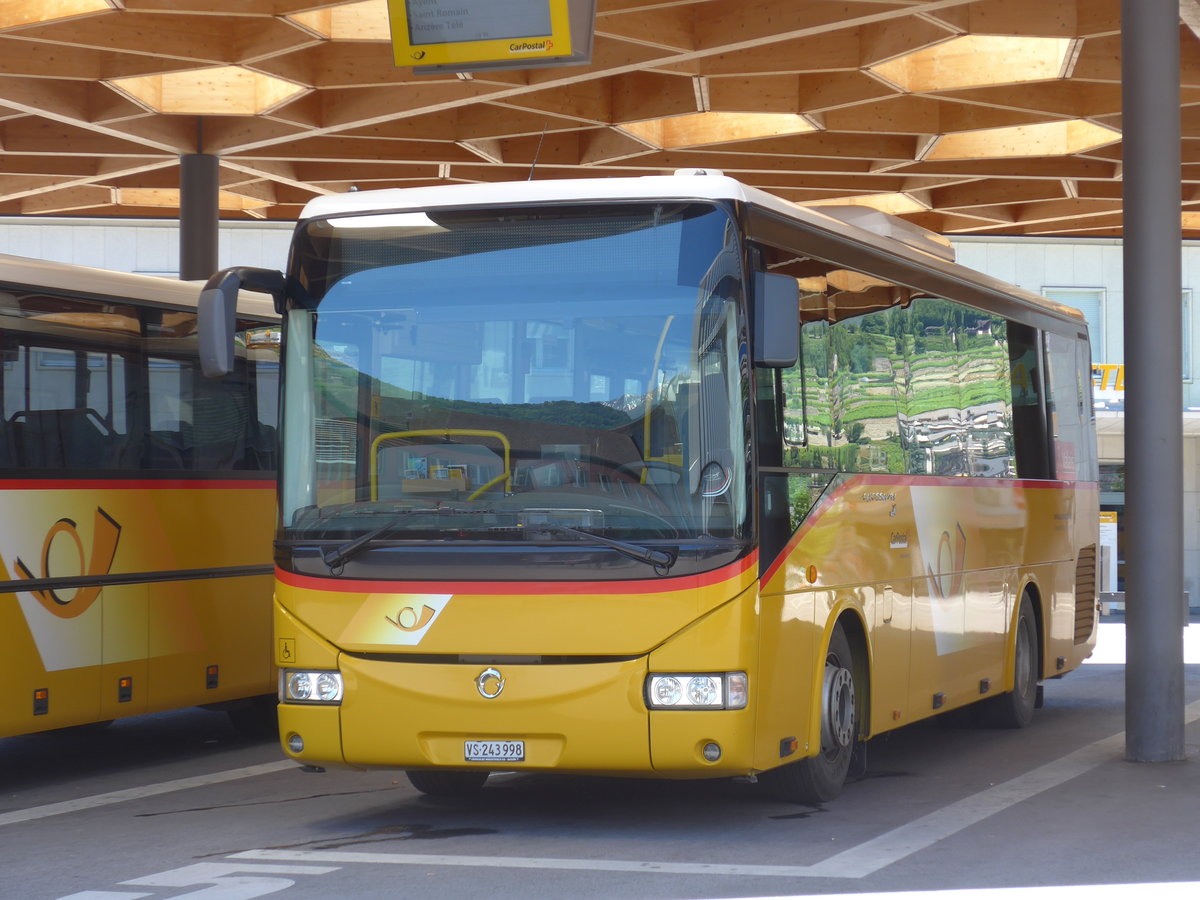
(494, 751)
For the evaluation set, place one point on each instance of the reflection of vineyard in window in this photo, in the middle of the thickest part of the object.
(924, 390)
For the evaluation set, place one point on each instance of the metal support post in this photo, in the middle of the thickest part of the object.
(1153, 384)
(199, 216)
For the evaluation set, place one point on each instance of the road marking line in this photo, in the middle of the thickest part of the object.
(894, 845)
(1169, 890)
(519, 862)
(857, 862)
(138, 793)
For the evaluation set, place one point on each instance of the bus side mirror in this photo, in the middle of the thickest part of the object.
(776, 321)
(217, 313)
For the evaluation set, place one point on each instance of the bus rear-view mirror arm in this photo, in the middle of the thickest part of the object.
(218, 312)
(776, 299)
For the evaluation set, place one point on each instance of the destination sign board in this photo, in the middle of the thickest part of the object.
(466, 32)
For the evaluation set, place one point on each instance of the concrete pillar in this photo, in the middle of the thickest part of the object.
(1153, 381)
(199, 216)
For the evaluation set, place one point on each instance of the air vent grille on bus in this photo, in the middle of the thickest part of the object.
(1085, 593)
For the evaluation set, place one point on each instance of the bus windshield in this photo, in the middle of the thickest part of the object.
(497, 374)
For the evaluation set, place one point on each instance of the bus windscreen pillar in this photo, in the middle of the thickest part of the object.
(199, 216)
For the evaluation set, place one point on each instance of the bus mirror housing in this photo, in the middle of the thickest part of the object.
(217, 312)
(776, 321)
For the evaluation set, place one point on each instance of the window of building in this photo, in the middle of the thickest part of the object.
(1090, 302)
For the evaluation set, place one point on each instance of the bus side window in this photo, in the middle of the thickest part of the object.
(1070, 410)
(1030, 437)
(62, 438)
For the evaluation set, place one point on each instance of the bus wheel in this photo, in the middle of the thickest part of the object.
(1015, 709)
(447, 783)
(817, 779)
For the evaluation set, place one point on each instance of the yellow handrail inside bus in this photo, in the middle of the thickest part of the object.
(446, 433)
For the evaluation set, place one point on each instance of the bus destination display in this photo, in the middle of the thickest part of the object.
(456, 21)
(467, 32)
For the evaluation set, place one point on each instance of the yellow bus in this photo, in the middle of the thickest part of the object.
(137, 498)
(661, 477)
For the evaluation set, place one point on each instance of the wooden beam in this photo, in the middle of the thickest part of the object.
(668, 28)
(1055, 168)
(356, 108)
(880, 41)
(1067, 99)
(67, 200)
(591, 102)
(485, 119)
(645, 95)
(201, 39)
(608, 145)
(890, 115)
(762, 22)
(1035, 18)
(993, 192)
(335, 149)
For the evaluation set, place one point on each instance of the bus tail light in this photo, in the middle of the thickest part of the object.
(697, 690)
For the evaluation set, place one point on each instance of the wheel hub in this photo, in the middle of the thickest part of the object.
(837, 720)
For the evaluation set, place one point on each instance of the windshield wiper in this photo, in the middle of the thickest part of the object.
(336, 557)
(660, 559)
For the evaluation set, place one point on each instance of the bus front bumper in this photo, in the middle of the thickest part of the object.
(583, 718)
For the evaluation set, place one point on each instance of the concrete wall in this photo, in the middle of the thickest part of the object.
(1038, 264)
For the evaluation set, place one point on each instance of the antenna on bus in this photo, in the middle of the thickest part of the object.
(537, 152)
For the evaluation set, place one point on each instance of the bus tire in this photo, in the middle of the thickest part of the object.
(818, 779)
(1014, 709)
(447, 782)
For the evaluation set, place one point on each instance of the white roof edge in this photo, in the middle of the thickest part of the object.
(668, 187)
(686, 184)
(52, 275)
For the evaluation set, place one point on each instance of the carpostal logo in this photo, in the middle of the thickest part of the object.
(531, 46)
(106, 531)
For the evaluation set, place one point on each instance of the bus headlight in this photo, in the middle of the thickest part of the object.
(300, 686)
(697, 690)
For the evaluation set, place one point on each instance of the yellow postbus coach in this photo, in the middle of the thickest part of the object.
(137, 498)
(661, 477)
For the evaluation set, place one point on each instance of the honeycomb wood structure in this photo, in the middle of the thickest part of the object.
(964, 116)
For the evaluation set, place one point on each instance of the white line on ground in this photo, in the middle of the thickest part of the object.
(857, 862)
(137, 793)
(1172, 890)
(519, 862)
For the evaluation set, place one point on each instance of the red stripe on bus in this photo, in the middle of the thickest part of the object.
(135, 484)
(647, 586)
(858, 481)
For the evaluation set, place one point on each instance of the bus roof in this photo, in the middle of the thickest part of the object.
(85, 280)
(867, 226)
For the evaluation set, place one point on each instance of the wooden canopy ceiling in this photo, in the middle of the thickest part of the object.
(965, 116)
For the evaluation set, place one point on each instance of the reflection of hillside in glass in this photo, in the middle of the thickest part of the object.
(920, 389)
